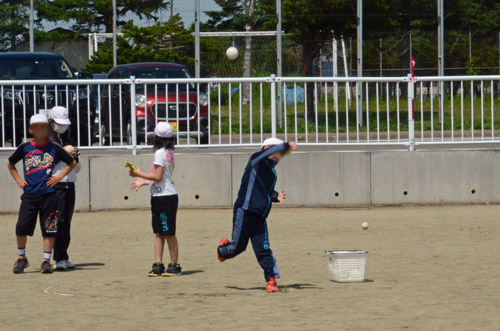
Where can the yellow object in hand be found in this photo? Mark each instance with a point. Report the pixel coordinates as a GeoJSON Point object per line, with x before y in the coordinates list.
{"type": "Point", "coordinates": [130, 165]}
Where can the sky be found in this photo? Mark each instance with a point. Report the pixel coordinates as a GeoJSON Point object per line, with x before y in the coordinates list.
{"type": "Point", "coordinates": [186, 9]}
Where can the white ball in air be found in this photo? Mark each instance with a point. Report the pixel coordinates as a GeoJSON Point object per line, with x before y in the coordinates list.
{"type": "Point", "coordinates": [232, 53]}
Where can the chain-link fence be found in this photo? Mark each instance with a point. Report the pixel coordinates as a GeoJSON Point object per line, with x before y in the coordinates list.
{"type": "Point", "coordinates": [391, 37]}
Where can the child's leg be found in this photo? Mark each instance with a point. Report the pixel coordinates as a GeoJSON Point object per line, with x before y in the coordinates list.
{"type": "Point", "coordinates": [159, 246]}
{"type": "Point", "coordinates": [21, 242]}
{"type": "Point", "coordinates": [240, 237]}
{"type": "Point", "coordinates": [65, 206]}
{"type": "Point", "coordinates": [48, 245]}
{"type": "Point", "coordinates": [26, 222]}
{"type": "Point", "coordinates": [173, 248]}
{"type": "Point", "coordinates": [261, 247]}
{"type": "Point", "coordinates": [48, 222]}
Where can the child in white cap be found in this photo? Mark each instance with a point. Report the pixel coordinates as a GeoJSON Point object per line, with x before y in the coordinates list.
{"type": "Point", "coordinates": [252, 207]}
{"type": "Point", "coordinates": [39, 197]}
{"type": "Point", "coordinates": [164, 200]}
{"type": "Point", "coordinates": [65, 189]}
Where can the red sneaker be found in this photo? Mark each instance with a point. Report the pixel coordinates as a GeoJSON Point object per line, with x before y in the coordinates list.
{"type": "Point", "coordinates": [222, 242]}
{"type": "Point", "coordinates": [272, 286]}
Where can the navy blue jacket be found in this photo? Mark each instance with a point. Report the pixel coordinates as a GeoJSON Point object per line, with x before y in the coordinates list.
{"type": "Point", "coordinates": [257, 192]}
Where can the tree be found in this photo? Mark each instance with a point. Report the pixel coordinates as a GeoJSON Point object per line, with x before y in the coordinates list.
{"type": "Point", "coordinates": [162, 42]}
{"type": "Point", "coordinates": [92, 15]}
{"type": "Point", "coordinates": [14, 21]}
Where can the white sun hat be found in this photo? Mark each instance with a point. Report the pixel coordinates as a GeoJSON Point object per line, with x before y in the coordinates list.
{"type": "Point", "coordinates": [272, 141]}
{"type": "Point", "coordinates": [60, 115]}
{"type": "Point", "coordinates": [38, 118]}
{"type": "Point", "coordinates": [164, 130]}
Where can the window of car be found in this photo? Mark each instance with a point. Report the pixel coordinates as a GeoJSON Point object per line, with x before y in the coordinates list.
{"type": "Point", "coordinates": [35, 69]}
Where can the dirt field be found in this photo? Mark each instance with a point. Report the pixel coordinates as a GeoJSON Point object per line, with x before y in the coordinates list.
{"type": "Point", "coordinates": [429, 268]}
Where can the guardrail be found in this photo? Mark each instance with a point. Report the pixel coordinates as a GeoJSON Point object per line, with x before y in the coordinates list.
{"type": "Point", "coordinates": [122, 113]}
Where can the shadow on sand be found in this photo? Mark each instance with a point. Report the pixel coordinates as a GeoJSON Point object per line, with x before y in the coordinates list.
{"type": "Point", "coordinates": [283, 288]}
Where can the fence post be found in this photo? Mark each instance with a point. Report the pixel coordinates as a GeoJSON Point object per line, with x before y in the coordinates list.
{"type": "Point", "coordinates": [133, 116]}
{"type": "Point", "coordinates": [273, 106]}
{"type": "Point", "coordinates": [411, 114]}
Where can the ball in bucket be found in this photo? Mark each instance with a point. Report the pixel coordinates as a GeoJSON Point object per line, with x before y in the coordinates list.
{"type": "Point", "coordinates": [232, 53]}
{"type": "Point", "coordinates": [365, 225]}
{"type": "Point", "coordinates": [70, 149]}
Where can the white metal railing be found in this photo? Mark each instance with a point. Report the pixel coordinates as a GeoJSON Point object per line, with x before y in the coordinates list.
{"type": "Point", "coordinates": [122, 113]}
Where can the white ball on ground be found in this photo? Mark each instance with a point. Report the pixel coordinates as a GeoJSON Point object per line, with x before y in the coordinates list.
{"type": "Point", "coordinates": [232, 53]}
{"type": "Point", "coordinates": [364, 225]}
{"type": "Point", "coordinates": [70, 149]}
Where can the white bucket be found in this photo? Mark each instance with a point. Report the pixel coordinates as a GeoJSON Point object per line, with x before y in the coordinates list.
{"type": "Point", "coordinates": [347, 266]}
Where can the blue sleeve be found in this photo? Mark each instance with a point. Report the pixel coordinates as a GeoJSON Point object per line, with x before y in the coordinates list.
{"type": "Point", "coordinates": [275, 149]}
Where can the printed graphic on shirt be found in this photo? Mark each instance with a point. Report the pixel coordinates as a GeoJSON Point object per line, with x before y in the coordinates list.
{"type": "Point", "coordinates": [38, 164]}
{"type": "Point", "coordinates": [165, 159]}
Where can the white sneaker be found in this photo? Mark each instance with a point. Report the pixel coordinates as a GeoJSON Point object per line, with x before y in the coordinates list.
{"type": "Point", "coordinates": [62, 265]}
{"type": "Point", "coordinates": [70, 265]}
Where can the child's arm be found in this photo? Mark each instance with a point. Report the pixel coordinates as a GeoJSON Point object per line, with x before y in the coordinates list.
{"type": "Point", "coordinates": [13, 171]}
{"type": "Point", "coordinates": [275, 149]}
{"type": "Point", "coordinates": [52, 181]}
{"type": "Point", "coordinates": [139, 182]}
{"type": "Point", "coordinates": [155, 177]}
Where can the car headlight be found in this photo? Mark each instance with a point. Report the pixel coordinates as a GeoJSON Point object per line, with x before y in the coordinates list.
{"type": "Point", "coordinates": [203, 101]}
{"type": "Point", "coordinates": [82, 94]}
{"type": "Point", "coordinates": [140, 100]}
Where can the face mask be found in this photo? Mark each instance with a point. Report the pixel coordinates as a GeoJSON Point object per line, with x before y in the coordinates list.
{"type": "Point", "coordinates": [60, 128]}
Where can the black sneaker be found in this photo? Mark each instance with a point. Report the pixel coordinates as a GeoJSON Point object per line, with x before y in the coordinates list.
{"type": "Point", "coordinates": [46, 267]}
{"type": "Point", "coordinates": [157, 271]}
{"type": "Point", "coordinates": [173, 269]}
{"type": "Point", "coordinates": [21, 264]}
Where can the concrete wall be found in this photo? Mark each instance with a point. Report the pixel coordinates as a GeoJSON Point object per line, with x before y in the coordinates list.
{"type": "Point", "coordinates": [310, 179]}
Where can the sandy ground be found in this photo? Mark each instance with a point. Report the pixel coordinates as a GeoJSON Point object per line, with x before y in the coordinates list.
{"type": "Point", "coordinates": [429, 268]}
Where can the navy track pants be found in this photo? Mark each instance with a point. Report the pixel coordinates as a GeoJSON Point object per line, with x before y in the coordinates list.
{"type": "Point", "coordinates": [251, 226]}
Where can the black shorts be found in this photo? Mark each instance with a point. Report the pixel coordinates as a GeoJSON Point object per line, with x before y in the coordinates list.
{"type": "Point", "coordinates": [33, 205]}
{"type": "Point", "coordinates": [164, 210]}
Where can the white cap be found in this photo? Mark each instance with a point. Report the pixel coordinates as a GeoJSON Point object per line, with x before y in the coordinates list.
{"type": "Point", "coordinates": [164, 130]}
{"type": "Point", "coordinates": [272, 142]}
{"type": "Point", "coordinates": [60, 115]}
{"type": "Point", "coordinates": [38, 118]}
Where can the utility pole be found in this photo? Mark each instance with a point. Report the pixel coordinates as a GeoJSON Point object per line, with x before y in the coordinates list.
{"type": "Point", "coordinates": [380, 56]}
{"type": "Point", "coordinates": [32, 32]}
{"type": "Point", "coordinates": [197, 37]}
{"type": "Point", "coordinates": [114, 34]}
{"type": "Point", "coordinates": [279, 59]}
{"type": "Point", "coordinates": [171, 8]}
{"type": "Point", "coordinates": [359, 92]}
{"type": "Point", "coordinates": [440, 38]}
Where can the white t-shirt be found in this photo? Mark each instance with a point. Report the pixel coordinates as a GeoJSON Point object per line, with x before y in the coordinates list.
{"type": "Point", "coordinates": [163, 158]}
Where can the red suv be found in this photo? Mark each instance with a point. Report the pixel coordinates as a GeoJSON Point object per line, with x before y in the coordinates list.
{"type": "Point", "coordinates": [179, 104]}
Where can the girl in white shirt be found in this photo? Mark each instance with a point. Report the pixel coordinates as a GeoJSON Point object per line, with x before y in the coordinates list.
{"type": "Point", "coordinates": [164, 200]}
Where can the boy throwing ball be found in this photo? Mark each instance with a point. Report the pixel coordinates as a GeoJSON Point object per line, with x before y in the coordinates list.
{"type": "Point", "coordinates": [39, 157]}
{"type": "Point", "coordinates": [252, 207]}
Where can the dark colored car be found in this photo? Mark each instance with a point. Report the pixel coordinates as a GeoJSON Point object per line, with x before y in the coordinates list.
{"type": "Point", "coordinates": [178, 104]}
{"type": "Point", "coordinates": [19, 102]}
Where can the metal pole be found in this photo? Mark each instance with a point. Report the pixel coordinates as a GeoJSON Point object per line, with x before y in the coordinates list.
{"type": "Point", "coordinates": [32, 32]}
{"type": "Point", "coordinates": [171, 8]}
{"type": "Point", "coordinates": [411, 50]}
{"type": "Point", "coordinates": [470, 48]}
{"type": "Point", "coordinates": [380, 56]}
{"type": "Point", "coordinates": [114, 33]}
{"type": "Point", "coordinates": [411, 114]}
{"type": "Point", "coordinates": [197, 37]}
{"type": "Point", "coordinates": [440, 38]}
{"type": "Point", "coordinates": [359, 92]}
{"type": "Point", "coordinates": [133, 115]}
{"type": "Point", "coordinates": [279, 58]}
{"type": "Point", "coordinates": [273, 105]}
